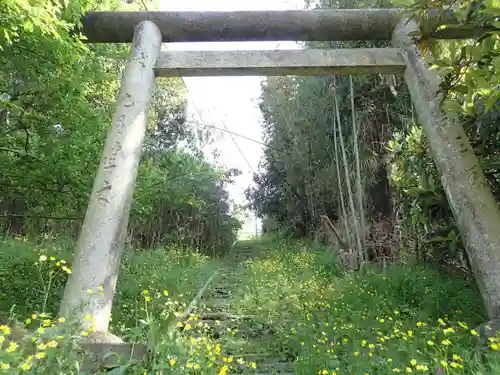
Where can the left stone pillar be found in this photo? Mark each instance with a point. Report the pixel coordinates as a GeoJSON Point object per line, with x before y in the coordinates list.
{"type": "Point", "coordinates": [99, 250]}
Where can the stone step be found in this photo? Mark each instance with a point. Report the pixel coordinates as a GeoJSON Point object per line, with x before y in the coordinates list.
{"type": "Point", "coordinates": [242, 343]}
{"type": "Point", "coordinates": [215, 302]}
{"type": "Point", "coordinates": [263, 361]}
{"type": "Point", "coordinates": [224, 291]}
{"type": "Point", "coordinates": [254, 356]}
{"type": "Point", "coordinates": [219, 295]}
{"type": "Point", "coordinates": [220, 319]}
{"type": "Point", "coordinates": [267, 366]}
{"type": "Point", "coordinates": [283, 366]}
{"type": "Point", "coordinates": [217, 323]}
{"type": "Point", "coordinates": [220, 315]}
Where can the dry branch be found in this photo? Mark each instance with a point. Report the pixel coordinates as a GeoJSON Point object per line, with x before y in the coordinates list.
{"type": "Point", "coordinates": [329, 228]}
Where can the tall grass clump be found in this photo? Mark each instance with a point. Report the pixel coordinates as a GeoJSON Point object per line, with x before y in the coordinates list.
{"type": "Point", "coordinates": [409, 320]}
{"type": "Point", "coordinates": [154, 288]}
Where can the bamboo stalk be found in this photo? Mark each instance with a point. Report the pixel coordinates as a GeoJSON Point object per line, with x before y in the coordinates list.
{"type": "Point", "coordinates": [346, 171]}
{"type": "Point", "coordinates": [358, 172]}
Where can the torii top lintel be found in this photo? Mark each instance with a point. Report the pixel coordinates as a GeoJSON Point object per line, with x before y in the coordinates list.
{"type": "Point", "coordinates": [298, 25]}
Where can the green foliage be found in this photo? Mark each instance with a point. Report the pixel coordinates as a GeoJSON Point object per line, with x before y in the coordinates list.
{"type": "Point", "coordinates": [469, 71]}
{"type": "Point", "coordinates": [300, 308]}
{"type": "Point", "coordinates": [19, 18]}
{"type": "Point", "coordinates": [181, 198]}
{"type": "Point", "coordinates": [428, 220]}
{"type": "Point", "coordinates": [27, 292]}
{"type": "Point", "coordinates": [56, 99]}
{"type": "Point", "coordinates": [299, 180]}
{"type": "Point", "coordinates": [46, 81]}
{"type": "Point", "coordinates": [172, 274]}
{"type": "Point", "coordinates": [471, 68]}
{"type": "Point", "coordinates": [41, 274]}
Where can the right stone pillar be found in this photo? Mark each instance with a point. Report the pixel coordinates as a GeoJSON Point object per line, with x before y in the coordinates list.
{"type": "Point", "coordinates": [475, 210]}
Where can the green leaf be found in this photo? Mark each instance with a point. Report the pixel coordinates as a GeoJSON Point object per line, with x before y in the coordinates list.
{"type": "Point", "coordinates": [461, 89]}
{"type": "Point", "coordinates": [122, 370]}
{"type": "Point", "coordinates": [415, 191]}
{"type": "Point", "coordinates": [452, 106]}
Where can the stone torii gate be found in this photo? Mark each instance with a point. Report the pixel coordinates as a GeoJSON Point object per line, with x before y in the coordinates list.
{"type": "Point", "coordinates": [97, 260]}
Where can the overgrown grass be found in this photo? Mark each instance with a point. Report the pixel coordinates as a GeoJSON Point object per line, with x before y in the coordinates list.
{"type": "Point", "coordinates": [298, 307]}
{"type": "Point", "coordinates": [153, 286]}
{"type": "Point", "coordinates": [24, 278]}
{"type": "Point", "coordinates": [410, 320]}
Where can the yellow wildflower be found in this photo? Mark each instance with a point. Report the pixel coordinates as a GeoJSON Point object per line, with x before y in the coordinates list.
{"type": "Point", "coordinates": [223, 370]}
{"type": "Point", "coordinates": [40, 355]}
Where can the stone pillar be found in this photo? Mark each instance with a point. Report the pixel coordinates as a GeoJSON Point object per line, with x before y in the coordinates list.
{"type": "Point", "coordinates": [474, 207]}
{"type": "Point", "coordinates": [97, 259]}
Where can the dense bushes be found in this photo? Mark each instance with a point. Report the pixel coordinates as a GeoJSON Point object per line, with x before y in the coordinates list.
{"type": "Point", "coordinates": [56, 100]}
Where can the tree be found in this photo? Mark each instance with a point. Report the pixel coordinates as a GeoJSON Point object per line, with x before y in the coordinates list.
{"type": "Point", "coordinates": [300, 118]}
{"type": "Point", "coordinates": [56, 97]}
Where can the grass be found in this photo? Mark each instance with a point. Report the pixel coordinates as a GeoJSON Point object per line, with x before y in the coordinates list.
{"type": "Point", "coordinates": [411, 320]}
{"type": "Point", "coordinates": [33, 279]}
{"type": "Point", "coordinates": [298, 305]}
{"type": "Point", "coordinates": [25, 279]}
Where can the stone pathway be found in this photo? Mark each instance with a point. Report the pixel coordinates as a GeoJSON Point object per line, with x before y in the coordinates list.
{"type": "Point", "coordinates": [240, 336]}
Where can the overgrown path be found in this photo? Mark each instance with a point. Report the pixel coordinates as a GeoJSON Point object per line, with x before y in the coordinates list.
{"type": "Point", "coordinates": [246, 338]}
{"type": "Point", "coordinates": [280, 307]}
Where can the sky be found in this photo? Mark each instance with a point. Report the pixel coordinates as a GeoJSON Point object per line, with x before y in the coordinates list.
{"type": "Point", "coordinates": [231, 101]}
